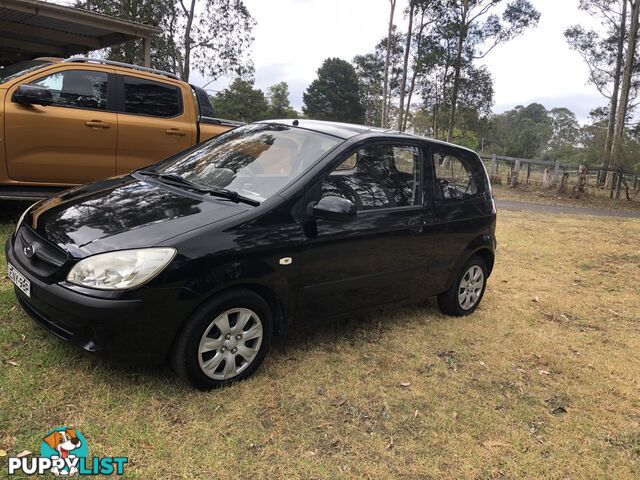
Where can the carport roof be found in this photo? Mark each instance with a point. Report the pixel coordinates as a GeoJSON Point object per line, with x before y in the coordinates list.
{"type": "Point", "coordinates": [31, 29]}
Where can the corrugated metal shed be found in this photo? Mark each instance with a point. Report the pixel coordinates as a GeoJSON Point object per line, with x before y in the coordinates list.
{"type": "Point", "coordinates": [32, 28]}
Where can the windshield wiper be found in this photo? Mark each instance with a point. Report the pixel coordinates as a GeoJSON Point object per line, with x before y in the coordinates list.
{"type": "Point", "coordinates": [170, 177]}
{"type": "Point", "coordinates": [177, 180]}
{"type": "Point", "coordinates": [231, 195]}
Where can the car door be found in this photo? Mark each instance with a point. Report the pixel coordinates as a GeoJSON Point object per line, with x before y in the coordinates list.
{"type": "Point", "coordinates": [382, 254]}
{"type": "Point", "coordinates": [154, 122]}
{"type": "Point", "coordinates": [69, 142]}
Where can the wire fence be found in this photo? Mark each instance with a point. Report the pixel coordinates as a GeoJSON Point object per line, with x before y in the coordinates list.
{"type": "Point", "coordinates": [573, 178]}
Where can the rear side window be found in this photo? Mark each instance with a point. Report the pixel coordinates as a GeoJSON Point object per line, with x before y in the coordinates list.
{"type": "Point", "coordinates": [458, 176]}
{"type": "Point", "coordinates": [146, 97]}
{"type": "Point", "coordinates": [77, 88]}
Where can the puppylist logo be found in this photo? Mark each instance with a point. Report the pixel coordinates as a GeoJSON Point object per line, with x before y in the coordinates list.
{"type": "Point", "coordinates": [64, 452]}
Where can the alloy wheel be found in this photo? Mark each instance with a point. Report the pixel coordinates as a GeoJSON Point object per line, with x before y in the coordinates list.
{"type": "Point", "coordinates": [470, 288]}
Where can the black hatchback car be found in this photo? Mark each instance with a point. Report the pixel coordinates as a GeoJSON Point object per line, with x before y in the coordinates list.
{"type": "Point", "coordinates": [202, 258]}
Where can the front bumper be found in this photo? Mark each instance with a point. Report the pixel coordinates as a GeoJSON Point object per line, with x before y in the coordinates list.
{"type": "Point", "coordinates": [138, 330]}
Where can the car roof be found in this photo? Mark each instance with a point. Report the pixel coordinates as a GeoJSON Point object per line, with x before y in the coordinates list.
{"type": "Point", "coordinates": [347, 131]}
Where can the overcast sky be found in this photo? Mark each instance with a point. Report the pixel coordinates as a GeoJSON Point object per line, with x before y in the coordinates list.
{"type": "Point", "coordinates": [293, 37]}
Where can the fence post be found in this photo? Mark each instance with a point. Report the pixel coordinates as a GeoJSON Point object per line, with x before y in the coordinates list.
{"type": "Point", "coordinates": [494, 164]}
{"type": "Point", "coordinates": [581, 181]}
{"type": "Point", "coordinates": [528, 172]}
{"type": "Point", "coordinates": [515, 172]}
{"type": "Point", "coordinates": [546, 178]}
{"type": "Point", "coordinates": [635, 183]}
{"type": "Point", "coordinates": [564, 182]}
{"type": "Point", "coordinates": [556, 171]}
{"type": "Point", "coordinates": [619, 186]}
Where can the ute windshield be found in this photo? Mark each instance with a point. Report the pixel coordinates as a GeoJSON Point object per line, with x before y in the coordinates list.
{"type": "Point", "coordinates": [255, 161]}
{"type": "Point", "coordinates": [16, 70]}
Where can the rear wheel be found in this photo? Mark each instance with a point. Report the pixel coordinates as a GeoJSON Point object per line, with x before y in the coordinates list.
{"type": "Point", "coordinates": [464, 296]}
{"type": "Point", "coordinates": [225, 341]}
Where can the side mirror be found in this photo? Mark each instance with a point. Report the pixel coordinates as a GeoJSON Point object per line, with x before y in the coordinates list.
{"type": "Point", "coordinates": [32, 95]}
{"type": "Point", "coordinates": [336, 209]}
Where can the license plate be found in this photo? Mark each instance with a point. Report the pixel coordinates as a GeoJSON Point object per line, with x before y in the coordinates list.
{"type": "Point", "coordinates": [19, 280]}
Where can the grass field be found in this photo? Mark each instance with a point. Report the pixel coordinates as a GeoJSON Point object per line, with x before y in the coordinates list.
{"type": "Point", "coordinates": [542, 382]}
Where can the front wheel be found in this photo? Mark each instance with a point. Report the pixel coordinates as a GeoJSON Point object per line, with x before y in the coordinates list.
{"type": "Point", "coordinates": [464, 296]}
{"type": "Point", "coordinates": [225, 341]}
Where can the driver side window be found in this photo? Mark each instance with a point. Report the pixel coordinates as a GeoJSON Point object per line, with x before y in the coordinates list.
{"type": "Point", "coordinates": [454, 176]}
{"type": "Point", "coordinates": [77, 88]}
{"type": "Point", "coordinates": [377, 176]}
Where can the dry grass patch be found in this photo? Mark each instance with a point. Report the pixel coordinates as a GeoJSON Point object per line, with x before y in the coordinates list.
{"type": "Point", "coordinates": [593, 198]}
{"type": "Point", "coordinates": [542, 382]}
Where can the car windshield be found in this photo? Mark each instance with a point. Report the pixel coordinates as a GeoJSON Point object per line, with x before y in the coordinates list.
{"type": "Point", "coordinates": [15, 70]}
{"type": "Point", "coordinates": [255, 161]}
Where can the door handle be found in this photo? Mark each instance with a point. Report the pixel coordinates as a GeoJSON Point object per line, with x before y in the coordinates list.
{"type": "Point", "coordinates": [175, 131]}
{"type": "Point", "coordinates": [97, 124]}
{"type": "Point", "coordinates": [417, 224]}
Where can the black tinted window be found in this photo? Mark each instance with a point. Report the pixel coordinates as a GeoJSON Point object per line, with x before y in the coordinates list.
{"type": "Point", "coordinates": [457, 174]}
{"type": "Point", "coordinates": [77, 88]}
{"type": "Point", "coordinates": [145, 97]}
{"type": "Point", "coordinates": [378, 176]}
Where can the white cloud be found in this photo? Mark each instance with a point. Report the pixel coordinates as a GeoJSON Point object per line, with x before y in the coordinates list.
{"type": "Point", "coordinates": [293, 37]}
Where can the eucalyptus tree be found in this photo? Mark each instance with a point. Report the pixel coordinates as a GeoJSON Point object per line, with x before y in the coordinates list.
{"type": "Point", "coordinates": [370, 70]}
{"type": "Point", "coordinates": [480, 27]}
{"type": "Point", "coordinates": [630, 66]}
{"type": "Point", "coordinates": [603, 53]}
{"type": "Point", "coordinates": [212, 37]}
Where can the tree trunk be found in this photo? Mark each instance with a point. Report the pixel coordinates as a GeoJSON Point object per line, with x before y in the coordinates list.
{"type": "Point", "coordinates": [415, 73]}
{"type": "Point", "coordinates": [435, 121]}
{"type": "Point", "coordinates": [623, 103]}
{"type": "Point", "coordinates": [385, 92]}
{"type": "Point", "coordinates": [462, 36]}
{"type": "Point", "coordinates": [405, 67]}
{"type": "Point", "coordinates": [409, 95]}
{"type": "Point", "coordinates": [186, 68]}
{"type": "Point", "coordinates": [616, 89]}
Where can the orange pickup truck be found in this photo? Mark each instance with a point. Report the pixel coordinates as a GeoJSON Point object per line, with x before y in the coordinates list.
{"type": "Point", "coordinates": [68, 122]}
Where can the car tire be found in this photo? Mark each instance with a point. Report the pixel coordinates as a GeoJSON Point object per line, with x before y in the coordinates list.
{"type": "Point", "coordinates": [464, 296]}
{"type": "Point", "coordinates": [224, 341]}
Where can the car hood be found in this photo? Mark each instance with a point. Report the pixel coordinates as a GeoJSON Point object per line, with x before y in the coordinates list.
{"type": "Point", "coordinates": [123, 213]}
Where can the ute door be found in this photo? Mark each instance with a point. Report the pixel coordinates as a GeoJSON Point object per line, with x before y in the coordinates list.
{"type": "Point", "coordinates": [154, 121]}
{"type": "Point", "coordinates": [73, 140]}
{"type": "Point", "coordinates": [383, 253]}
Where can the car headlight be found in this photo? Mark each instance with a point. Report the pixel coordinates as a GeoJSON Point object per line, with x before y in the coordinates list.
{"type": "Point", "coordinates": [120, 270]}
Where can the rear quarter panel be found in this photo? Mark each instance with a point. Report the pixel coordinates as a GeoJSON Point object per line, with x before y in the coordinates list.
{"type": "Point", "coordinates": [209, 130]}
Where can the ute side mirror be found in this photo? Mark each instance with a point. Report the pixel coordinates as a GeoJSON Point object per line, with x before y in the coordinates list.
{"type": "Point", "coordinates": [32, 95]}
{"type": "Point", "coordinates": [336, 209]}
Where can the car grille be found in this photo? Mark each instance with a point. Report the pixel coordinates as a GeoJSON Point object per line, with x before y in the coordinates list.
{"type": "Point", "coordinates": [47, 260]}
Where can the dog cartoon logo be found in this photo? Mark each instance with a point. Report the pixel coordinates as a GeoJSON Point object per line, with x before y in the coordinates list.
{"type": "Point", "coordinates": [67, 444]}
